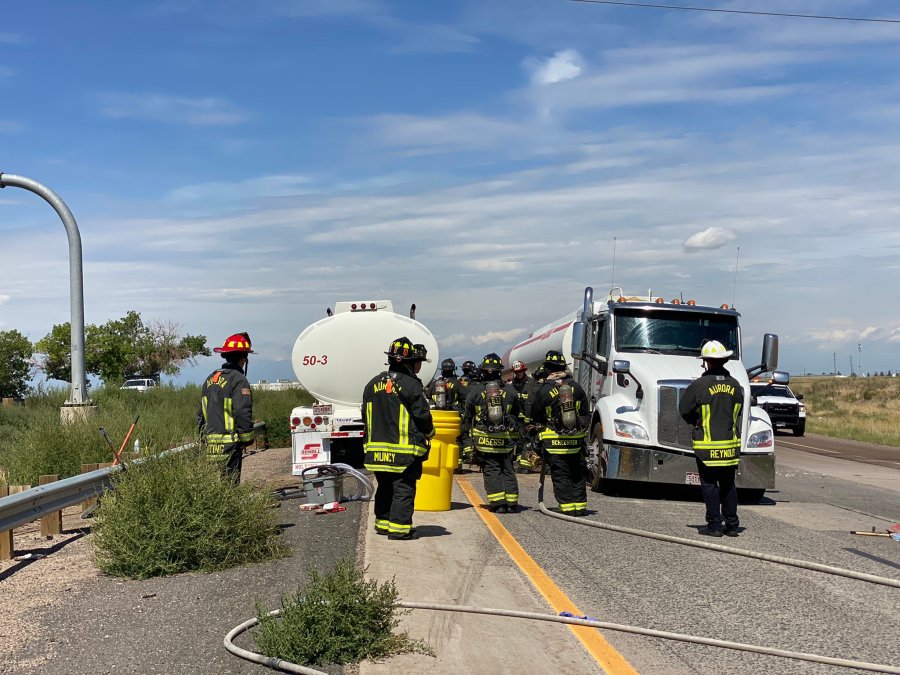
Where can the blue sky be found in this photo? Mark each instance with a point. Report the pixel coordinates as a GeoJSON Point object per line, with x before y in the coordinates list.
{"type": "Point", "coordinates": [237, 167]}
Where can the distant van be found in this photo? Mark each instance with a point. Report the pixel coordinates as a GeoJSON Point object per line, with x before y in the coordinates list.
{"type": "Point", "coordinates": [139, 384]}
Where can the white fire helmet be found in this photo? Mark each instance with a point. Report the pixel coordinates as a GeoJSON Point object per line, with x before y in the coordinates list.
{"type": "Point", "coordinates": [715, 350]}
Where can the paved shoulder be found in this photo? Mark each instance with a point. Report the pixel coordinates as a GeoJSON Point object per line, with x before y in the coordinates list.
{"type": "Point", "coordinates": [458, 561]}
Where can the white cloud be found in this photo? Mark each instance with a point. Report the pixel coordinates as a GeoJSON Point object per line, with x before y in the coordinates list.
{"type": "Point", "coordinates": [4, 299]}
{"type": "Point", "coordinates": [497, 336]}
{"type": "Point", "coordinates": [710, 238]}
{"type": "Point", "coordinates": [205, 111]}
{"type": "Point", "coordinates": [839, 336]}
{"type": "Point", "coordinates": [563, 65]}
{"type": "Point", "coordinates": [492, 265]}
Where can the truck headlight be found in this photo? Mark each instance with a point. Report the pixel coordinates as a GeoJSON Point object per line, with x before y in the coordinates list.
{"type": "Point", "coordinates": [761, 439]}
{"type": "Point", "coordinates": [631, 430]}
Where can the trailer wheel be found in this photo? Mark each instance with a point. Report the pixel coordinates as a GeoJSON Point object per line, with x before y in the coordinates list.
{"type": "Point", "coordinates": [597, 458]}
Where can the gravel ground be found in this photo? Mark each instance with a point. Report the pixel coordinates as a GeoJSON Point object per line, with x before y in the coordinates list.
{"type": "Point", "coordinates": [62, 616]}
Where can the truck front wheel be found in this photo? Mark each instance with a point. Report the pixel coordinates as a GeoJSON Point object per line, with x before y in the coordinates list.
{"type": "Point", "coordinates": [596, 458]}
{"type": "Point", "coordinates": [800, 429]}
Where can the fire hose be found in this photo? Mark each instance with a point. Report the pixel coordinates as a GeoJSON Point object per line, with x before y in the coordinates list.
{"type": "Point", "coordinates": [592, 623]}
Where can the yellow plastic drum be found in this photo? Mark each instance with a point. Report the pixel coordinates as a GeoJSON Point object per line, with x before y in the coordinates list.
{"type": "Point", "coordinates": [434, 487]}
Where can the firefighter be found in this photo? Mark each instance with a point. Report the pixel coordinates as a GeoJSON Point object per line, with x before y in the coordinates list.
{"type": "Point", "coordinates": [527, 389]}
{"type": "Point", "coordinates": [422, 351]}
{"type": "Point", "coordinates": [712, 404]}
{"type": "Point", "coordinates": [397, 437]}
{"type": "Point", "coordinates": [562, 411]}
{"type": "Point", "coordinates": [451, 387]}
{"type": "Point", "coordinates": [491, 412]}
{"type": "Point", "coordinates": [464, 385]}
{"type": "Point", "coordinates": [225, 415]}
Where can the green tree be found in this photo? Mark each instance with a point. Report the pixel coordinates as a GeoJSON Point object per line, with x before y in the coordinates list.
{"type": "Point", "coordinates": [55, 353]}
{"type": "Point", "coordinates": [15, 364]}
{"type": "Point", "coordinates": [123, 348]}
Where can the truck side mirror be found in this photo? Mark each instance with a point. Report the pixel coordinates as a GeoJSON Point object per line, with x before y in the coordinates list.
{"type": "Point", "coordinates": [799, 397]}
{"type": "Point", "coordinates": [770, 352]}
{"type": "Point", "coordinates": [623, 367]}
{"type": "Point", "coordinates": [579, 335]}
{"type": "Point", "coordinates": [781, 377]}
{"type": "Point", "coordinates": [753, 401]}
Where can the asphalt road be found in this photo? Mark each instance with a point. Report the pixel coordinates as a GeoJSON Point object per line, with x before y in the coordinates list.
{"type": "Point", "coordinates": [631, 580]}
{"type": "Point", "coordinates": [854, 451]}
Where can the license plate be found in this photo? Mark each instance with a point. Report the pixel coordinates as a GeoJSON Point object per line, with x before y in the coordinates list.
{"type": "Point", "coordinates": [326, 409]}
{"type": "Point", "coordinates": [691, 478]}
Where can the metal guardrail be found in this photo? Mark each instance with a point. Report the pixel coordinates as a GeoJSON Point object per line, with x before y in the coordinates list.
{"type": "Point", "coordinates": [30, 505]}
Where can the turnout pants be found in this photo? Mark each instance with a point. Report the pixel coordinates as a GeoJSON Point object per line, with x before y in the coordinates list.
{"type": "Point", "coordinates": [720, 495]}
{"type": "Point", "coordinates": [229, 458]}
{"type": "Point", "coordinates": [567, 474]}
{"type": "Point", "coordinates": [395, 499]}
{"type": "Point", "coordinates": [500, 482]}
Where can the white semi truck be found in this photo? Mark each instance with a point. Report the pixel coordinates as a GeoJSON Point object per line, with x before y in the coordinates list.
{"type": "Point", "coordinates": [334, 359]}
{"type": "Point", "coordinates": [635, 356]}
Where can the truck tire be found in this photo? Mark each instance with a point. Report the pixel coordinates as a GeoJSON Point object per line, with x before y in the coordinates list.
{"type": "Point", "coordinates": [800, 429]}
{"type": "Point", "coordinates": [596, 460]}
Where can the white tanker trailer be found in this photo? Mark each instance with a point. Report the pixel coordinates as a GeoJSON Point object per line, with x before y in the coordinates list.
{"type": "Point", "coordinates": [334, 359]}
{"type": "Point", "coordinates": [635, 356]}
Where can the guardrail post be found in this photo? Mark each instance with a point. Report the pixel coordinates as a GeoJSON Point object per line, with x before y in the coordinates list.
{"type": "Point", "coordinates": [6, 538]}
{"type": "Point", "coordinates": [50, 524]}
{"type": "Point", "coordinates": [88, 503]}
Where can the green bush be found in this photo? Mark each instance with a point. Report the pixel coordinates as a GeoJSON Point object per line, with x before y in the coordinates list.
{"type": "Point", "coordinates": [274, 408]}
{"type": "Point", "coordinates": [337, 618]}
{"type": "Point", "coordinates": [176, 514]}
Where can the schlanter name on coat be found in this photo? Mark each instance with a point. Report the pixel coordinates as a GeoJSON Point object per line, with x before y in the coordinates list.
{"type": "Point", "coordinates": [721, 389]}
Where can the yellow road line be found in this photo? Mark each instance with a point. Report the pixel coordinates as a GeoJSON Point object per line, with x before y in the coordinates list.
{"type": "Point", "coordinates": [604, 653]}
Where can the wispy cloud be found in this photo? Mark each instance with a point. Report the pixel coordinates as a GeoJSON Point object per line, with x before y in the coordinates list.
{"type": "Point", "coordinates": [168, 109]}
{"type": "Point", "coordinates": [10, 127]}
{"type": "Point", "coordinates": [4, 298]}
{"type": "Point", "coordinates": [11, 39]}
{"type": "Point", "coordinates": [242, 190]}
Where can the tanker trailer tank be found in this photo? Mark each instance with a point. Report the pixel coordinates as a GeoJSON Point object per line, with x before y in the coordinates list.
{"type": "Point", "coordinates": [333, 359]}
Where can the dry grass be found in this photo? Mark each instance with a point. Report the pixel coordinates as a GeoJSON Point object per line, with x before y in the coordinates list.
{"type": "Point", "coordinates": [856, 408]}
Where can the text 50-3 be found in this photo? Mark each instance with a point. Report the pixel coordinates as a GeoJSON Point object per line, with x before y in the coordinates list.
{"type": "Point", "coordinates": [314, 360]}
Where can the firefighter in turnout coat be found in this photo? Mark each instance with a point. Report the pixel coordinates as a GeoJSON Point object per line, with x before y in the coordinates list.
{"type": "Point", "coordinates": [397, 438]}
{"type": "Point", "coordinates": [451, 386]}
{"type": "Point", "coordinates": [225, 416]}
{"type": "Point", "coordinates": [562, 410]}
{"type": "Point", "coordinates": [491, 411]}
{"type": "Point", "coordinates": [713, 404]}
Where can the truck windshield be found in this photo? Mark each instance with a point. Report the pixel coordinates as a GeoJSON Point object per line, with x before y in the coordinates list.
{"type": "Point", "coordinates": [673, 332]}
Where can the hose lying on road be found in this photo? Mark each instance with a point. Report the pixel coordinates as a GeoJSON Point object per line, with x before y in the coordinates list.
{"type": "Point", "coordinates": [287, 666]}
{"type": "Point", "coordinates": [666, 635]}
{"type": "Point", "coordinates": [804, 564]}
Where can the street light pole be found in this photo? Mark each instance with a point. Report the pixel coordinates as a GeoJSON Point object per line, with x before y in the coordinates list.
{"type": "Point", "coordinates": [77, 396]}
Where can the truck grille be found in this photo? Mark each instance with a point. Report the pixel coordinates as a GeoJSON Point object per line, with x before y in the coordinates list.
{"type": "Point", "coordinates": [779, 412]}
{"type": "Point", "coordinates": [670, 428]}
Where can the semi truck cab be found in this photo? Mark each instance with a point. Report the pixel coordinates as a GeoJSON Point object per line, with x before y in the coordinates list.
{"type": "Point", "coordinates": [635, 356]}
